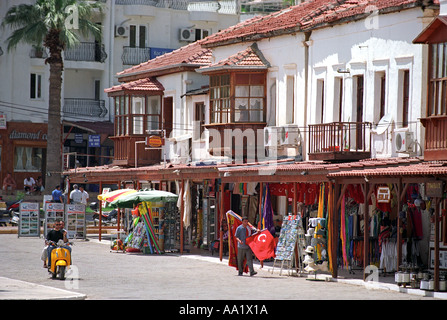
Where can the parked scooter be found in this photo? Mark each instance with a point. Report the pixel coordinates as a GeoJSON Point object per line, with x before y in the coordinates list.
{"type": "Point", "coordinates": [106, 218]}
{"type": "Point", "coordinates": [60, 259]}
{"type": "Point", "coordinates": [11, 212]}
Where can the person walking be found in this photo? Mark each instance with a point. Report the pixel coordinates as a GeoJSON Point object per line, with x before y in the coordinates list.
{"type": "Point", "coordinates": [243, 250]}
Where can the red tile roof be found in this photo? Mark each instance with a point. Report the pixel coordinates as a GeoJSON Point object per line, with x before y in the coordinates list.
{"type": "Point", "coordinates": [250, 58]}
{"type": "Point", "coordinates": [190, 55]}
{"type": "Point", "coordinates": [308, 15]}
{"type": "Point", "coordinates": [146, 84]}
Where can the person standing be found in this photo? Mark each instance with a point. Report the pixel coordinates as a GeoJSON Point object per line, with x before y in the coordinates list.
{"type": "Point", "coordinates": [57, 194]}
{"type": "Point", "coordinates": [85, 196]}
{"type": "Point", "coordinates": [75, 195]}
{"type": "Point", "coordinates": [243, 250]}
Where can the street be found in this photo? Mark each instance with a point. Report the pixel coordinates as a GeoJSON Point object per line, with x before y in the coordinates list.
{"type": "Point", "coordinates": [106, 275]}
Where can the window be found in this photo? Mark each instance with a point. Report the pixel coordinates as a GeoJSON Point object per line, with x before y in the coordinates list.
{"type": "Point", "coordinates": [143, 115]}
{"type": "Point", "coordinates": [35, 86]}
{"type": "Point", "coordinates": [27, 159]}
{"type": "Point", "coordinates": [137, 36]}
{"type": "Point", "coordinates": [320, 100]}
{"type": "Point", "coordinates": [405, 97]}
{"type": "Point", "coordinates": [220, 98]}
{"type": "Point", "coordinates": [199, 120]}
{"type": "Point", "coordinates": [248, 103]}
{"type": "Point", "coordinates": [153, 113]}
{"type": "Point", "coordinates": [379, 95]}
{"type": "Point", "coordinates": [271, 119]}
{"type": "Point", "coordinates": [249, 98]}
{"type": "Point", "coordinates": [338, 99]}
{"type": "Point", "coordinates": [137, 115]}
{"type": "Point", "coordinates": [438, 80]}
{"type": "Point", "coordinates": [121, 115]}
{"type": "Point", "coordinates": [290, 83]}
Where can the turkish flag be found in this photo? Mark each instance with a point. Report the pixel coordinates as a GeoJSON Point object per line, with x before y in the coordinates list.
{"type": "Point", "coordinates": [262, 244]}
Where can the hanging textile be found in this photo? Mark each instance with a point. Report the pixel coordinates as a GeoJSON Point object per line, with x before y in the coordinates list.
{"type": "Point", "coordinates": [187, 205]}
{"type": "Point", "coordinates": [329, 224]}
{"type": "Point", "coordinates": [344, 232]}
{"type": "Point", "coordinates": [267, 213]}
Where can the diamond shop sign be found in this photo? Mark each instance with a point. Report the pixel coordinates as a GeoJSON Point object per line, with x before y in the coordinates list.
{"type": "Point", "coordinates": [17, 135]}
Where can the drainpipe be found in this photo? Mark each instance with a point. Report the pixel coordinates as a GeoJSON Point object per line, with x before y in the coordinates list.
{"type": "Point", "coordinates": [306, 44]}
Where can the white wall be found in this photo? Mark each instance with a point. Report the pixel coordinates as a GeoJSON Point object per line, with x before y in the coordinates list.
{"type": "Point", "coordinates": [366, 49]}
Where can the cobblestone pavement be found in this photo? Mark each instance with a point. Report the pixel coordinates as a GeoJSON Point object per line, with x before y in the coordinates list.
{"type": "Point", "coordinates": [104, 275]}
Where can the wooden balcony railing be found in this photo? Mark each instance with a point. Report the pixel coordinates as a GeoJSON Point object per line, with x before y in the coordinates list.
{"type": "Point", "coordinates": [435, 137]}
{"type": "Point", "coordinates": [342, 141]}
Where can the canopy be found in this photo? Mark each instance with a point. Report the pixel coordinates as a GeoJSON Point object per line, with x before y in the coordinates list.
{"type": "Point", "coordinates": [132, 199]}
{"type": "Point", "coordinates": [113, 195]}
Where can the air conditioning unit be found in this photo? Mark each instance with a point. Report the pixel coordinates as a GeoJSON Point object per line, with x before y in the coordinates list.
{"type": "Point", "coordinates": [290, 135]}
{"type": "Point", "coordinates": [271, 136]}
{"type": "Point", "coordinates": [187, 34]}
{"type": "Point", "coordinates": [121, 31]}
{"type": "Point", "coordinates": [403, 141]}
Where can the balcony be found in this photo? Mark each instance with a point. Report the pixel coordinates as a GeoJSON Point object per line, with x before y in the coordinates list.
{"type": "Point", "coordinates": [86, 51]}
{"type": "Point", "coordinates": [340, 141]}
{"type": "Point", "coordinates": [435, 137]}
{"type": "Point", "coordinates": [126, 147]}
{"type": "Point", "coordinates": [135, 55]}
{"type": "Point", "coordinates": [78, 107]}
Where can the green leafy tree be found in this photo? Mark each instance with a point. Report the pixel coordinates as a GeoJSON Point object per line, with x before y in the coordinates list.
{"type": "Point", "coordinates": [56, 25]}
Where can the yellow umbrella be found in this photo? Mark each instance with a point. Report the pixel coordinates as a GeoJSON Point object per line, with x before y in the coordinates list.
{"type": "Point", "coordinates": [113, 195]}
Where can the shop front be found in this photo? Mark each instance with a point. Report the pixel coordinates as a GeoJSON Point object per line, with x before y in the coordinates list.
{"type": "Point", "coordinates": [392, 221]}
{"type": "Point", "coordinates": [23, 148]}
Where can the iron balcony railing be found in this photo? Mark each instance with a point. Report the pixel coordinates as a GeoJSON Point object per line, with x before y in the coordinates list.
{"type": "Point", "coordinates": [135, 55]}
{"type": "Point", "coordinates": [86, 51]}
{"type": "Point", "coordinates": [80, 107]}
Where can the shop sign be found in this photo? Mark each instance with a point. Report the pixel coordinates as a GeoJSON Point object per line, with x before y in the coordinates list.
{"type": "Point", "coordinates": [78, 138]}
{"type": "Point", "coordinates": [17, 135]}
{"type": "Point", "coordinates": [383, 195]}
{"type": "Point", "coordinates": [434, 189]}
{"type": "Point", "coordinates": [2, 121]}
{"type": "Point", "coordinates": [154, 141]}
{"type": "Point", "coordinates": [94, 140]}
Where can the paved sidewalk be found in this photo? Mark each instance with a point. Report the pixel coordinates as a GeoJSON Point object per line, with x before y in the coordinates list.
{"type": "Point", "coordinates": [11, 289]}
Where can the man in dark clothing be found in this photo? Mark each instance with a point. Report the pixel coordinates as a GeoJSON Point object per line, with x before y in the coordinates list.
{"type": "Point", "coordinates": [243, 250]}
{"type": "Point", "coordinates": [54, 235]}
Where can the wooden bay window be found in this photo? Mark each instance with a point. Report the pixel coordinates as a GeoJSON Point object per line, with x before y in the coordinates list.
{"type": "Point", "coordinates": [237, 97]}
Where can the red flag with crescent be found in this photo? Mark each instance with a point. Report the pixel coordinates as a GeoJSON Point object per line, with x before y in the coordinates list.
{"type": "Point", "coordinates": [262, 244]}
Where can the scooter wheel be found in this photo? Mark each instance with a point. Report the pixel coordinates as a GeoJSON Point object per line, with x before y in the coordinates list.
{"type": "Point", "coordinates": [62, 272]}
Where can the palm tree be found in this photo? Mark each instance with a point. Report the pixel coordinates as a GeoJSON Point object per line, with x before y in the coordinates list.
{"type": "Point", "coordinates": [56, 25]}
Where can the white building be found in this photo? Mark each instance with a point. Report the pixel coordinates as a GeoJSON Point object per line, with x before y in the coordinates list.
{"type": "Point", "coordinates": [336, 72]}
{"type": "Point", "coordinates": [134, 31]}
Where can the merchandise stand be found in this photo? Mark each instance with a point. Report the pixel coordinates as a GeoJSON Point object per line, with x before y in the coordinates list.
{"type": "Point", "coordinates": [289, 245]}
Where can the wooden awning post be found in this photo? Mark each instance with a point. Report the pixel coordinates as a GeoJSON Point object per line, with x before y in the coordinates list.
{"type": "Point", "coordinates": [335, 228]}
{"type": "Point", "coordinates": [100, 213]}
{"type": "Point", "coordinates": [436, 243]}
{"type": "Point", "coordinates": [260, 205]}
{"type": "Point", "coordinates": [295, 211]}
{"type": "Point", "coordinates": [366, 229]}
{"type": "Point", "coordinates": [222, 188]}
{"type": "Point", "coordinates": [182, 205]}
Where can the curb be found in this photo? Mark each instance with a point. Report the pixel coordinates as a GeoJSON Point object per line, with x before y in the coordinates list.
{"type": "Point", "coordinates": [20, 290]}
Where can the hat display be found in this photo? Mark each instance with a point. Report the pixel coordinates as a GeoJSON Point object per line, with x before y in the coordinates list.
{"type": "Point", "coordinates": [309, 249]}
